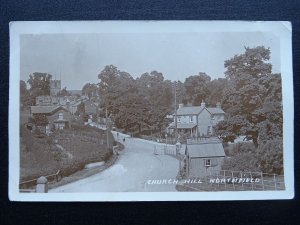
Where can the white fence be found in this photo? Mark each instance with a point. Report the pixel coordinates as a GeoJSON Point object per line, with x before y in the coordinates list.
{"type": "Point", "coordinates": [164, 150]}
{"type": "Point", "coordinates": [225, 180]}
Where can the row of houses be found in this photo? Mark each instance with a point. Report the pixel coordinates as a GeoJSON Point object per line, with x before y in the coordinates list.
{"type": "Point", "coordinates": [60, 110]}
{"type": "Point", "coordinates": [69, 102]}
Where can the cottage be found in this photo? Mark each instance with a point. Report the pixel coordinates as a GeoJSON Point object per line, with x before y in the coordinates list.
{"type": "Point", "coordinates": [58, 117]}
{"type": "Point", "coordinates": [205, 158]}
{"type": "Point", "coordinates": [197, 120]}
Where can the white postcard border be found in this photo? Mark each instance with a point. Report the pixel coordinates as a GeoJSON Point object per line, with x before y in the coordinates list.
{"type": "Point", "coordinates": [281, 29]}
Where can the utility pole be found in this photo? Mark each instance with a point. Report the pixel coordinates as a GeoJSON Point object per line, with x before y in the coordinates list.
{"type": "Point", "coordinates": [175, 92]}
{"type": "Point", "coordinates": [107, 129]}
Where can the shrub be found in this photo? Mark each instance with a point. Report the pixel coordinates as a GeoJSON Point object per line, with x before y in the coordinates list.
{"type": "Point", "coordinates": [270, 156]}
{"type": "Point", "coordinates": [267, 158]}
{"type": "Point", "coordinates": [241, 162]}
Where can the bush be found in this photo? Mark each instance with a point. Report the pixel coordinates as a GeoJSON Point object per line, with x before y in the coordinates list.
{"type": "Point", "coordinates": [267, 158]}
{"type": "Point", "coordinates": [239, 148]}
{"type": "Point", "coordinates": [270, 156]}
{"type": "Point", "coordinates": [241, 162]}
{"type": "Point", "coordinates": [40, 156]}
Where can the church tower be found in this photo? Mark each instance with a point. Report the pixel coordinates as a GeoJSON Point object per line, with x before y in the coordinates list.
{"type": "Point", "coordinates": [55, 87]}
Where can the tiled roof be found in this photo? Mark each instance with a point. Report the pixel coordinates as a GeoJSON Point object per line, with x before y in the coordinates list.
{"type": "Point", "coordinates": [215, 110]}
{"type": "Point", "coordinates": [195, 110]}
{"type": "Point", "coordinates": [206, 150]}
{"type": "Point", "coordinates": [190, 110]}
{"type": "Point", "coordinates": [44, 109]}
{"type": "Point", "coordinates": [182, 126]}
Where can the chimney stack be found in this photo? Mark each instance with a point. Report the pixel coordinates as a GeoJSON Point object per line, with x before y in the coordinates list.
{"type": "Point", "coordinates": [180, 105]}
{"type": "Point", "coordinates": [218, 105]}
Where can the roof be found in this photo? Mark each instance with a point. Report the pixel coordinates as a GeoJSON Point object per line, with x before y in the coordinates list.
{"type": "Point", "coordinates": [182, 126]}
{"type": "Point", "coordinates": [195, 110]}
{"type": "Point", "coordinates": [215, 110]}
{"type": "Point", "coordinates": [75, 103]}
{"type": "Point", "coordinates": [206, 150]}
{"type": "Point", "coordinates": [190, 110]}
{"type": "Point", "coordinates": [75, 92]}
{"type": "Point", "coordinates": [45, 109]}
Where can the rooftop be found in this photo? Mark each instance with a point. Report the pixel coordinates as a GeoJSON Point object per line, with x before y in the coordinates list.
{"type": "Point", "coordinates": [182, 125]}
{"type": "Point", "coordinates": [45, 109]}
{"type": "Point", "coordinates": [204, 150]}
{"type": "Point", "coordinates": [215, 110]}
{"type": "Point", "coordinates": [195, 110]}
{"type": "Point", "coordinates": [190, 110]}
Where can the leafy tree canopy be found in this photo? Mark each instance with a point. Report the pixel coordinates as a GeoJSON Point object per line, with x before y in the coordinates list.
{"type": "Point", "coordinates": [252, 97]}
{"type": "Point", "coordinates": [39, 85]}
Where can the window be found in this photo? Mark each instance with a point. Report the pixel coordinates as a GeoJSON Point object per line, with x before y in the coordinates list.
{"type": "Point", "coordinates": [61, 126]}
{"type": "Point", "coordinates": [178, 118]}
{"type": "Point", "coordinates": [60, 116]}
{"type": "Point", "coordinates": [191, 118]}
{"type": "Point", "coordinates": [207, 162]}
{"type": "Point", "coordinates": [208, 130]}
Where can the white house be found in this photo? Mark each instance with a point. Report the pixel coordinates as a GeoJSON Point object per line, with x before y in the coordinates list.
{"type": "Point", "coordinates": [197, 120]}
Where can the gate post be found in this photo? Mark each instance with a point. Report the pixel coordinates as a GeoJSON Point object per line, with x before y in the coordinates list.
{"type": "Point", "coordinates": [41, 185]}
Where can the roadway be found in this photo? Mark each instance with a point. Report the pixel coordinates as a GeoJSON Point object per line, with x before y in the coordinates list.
{"type": "Point", "coordinates": [136, 165]}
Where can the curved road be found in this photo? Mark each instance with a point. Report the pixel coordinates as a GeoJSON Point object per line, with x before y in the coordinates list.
{"type": "Point", "coordinates": [136, 167]}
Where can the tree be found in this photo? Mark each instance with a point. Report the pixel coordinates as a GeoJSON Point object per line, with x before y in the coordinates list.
{"type": "Point", "coordinates": [157, 94]}
{"type": "Point", "coordinates": [39, 85]}
{"type": "Point", "coordinates": [80, 109]}
{"type": "Point", "coordinates": [250, 92]}
{"type": "Point", "coordinates": [196, 88]}
{"type": "Point", "coordinates": [24, 94]}
{"type": "Point", "coordinates": [270, 156]}
{"type": "Point", "coordinates": [90, 90]}
{"type": "Point", "coordinates": [136, 105]}
{"type": "Point", "coordinates": [40, 120]}
{"type": "Point", "coordinates": [216, 88]}
{"type": "Point", "coordinates": [63, 92]}
{"type": "Point", "coordinates": [114, 85]}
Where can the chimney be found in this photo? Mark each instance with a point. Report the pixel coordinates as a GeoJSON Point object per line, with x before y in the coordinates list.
{"type": "Point", "coordinates": [180, 105]}
{"type": "Point", "coordinates": [202, 104]}
{"type": "Point", "coordinates": [218, 105]}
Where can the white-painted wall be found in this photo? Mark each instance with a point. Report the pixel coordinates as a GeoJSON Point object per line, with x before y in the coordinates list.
{"type": "Point", "coordinates": [205, 124]}
{"type": "Point", "coordinates": [187, 119]}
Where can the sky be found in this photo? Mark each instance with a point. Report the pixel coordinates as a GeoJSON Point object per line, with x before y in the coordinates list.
{"type": "Point", "coordinates": [77, 59]}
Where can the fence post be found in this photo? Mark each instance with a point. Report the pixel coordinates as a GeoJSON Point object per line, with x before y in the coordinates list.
{"type": "Point", "coordinates": [250, 180]}
{"type": "Point", "coordinates": [262, 181]}
{"type": "Point", "coordinates": [232, 180]}
{"type": "Point", "coordinates": [274, 177]}
{"type": "Point", "coordinates": [242, 181]}
{"type": "Point", "coordinates": [42, 185]}
{"type": "Point", "coordinates": [224, 176]}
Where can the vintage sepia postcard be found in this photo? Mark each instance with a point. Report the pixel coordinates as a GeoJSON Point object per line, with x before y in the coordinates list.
{"type": "Point", "coordinates": [150, 111]}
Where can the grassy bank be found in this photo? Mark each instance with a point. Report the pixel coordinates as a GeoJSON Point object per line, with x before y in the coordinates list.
{"type": "Point", "coordinates": [67, 150]}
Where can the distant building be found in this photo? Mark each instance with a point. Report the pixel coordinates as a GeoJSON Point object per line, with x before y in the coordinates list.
{"type": "Point", "coordinates": [58, 117]}
{"type": "Point", "coordinates": [55, 87]}
{"type": "Point", "coordinates": [43, 100]}
{"type": "Point", "coordinates": [197, 120]}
